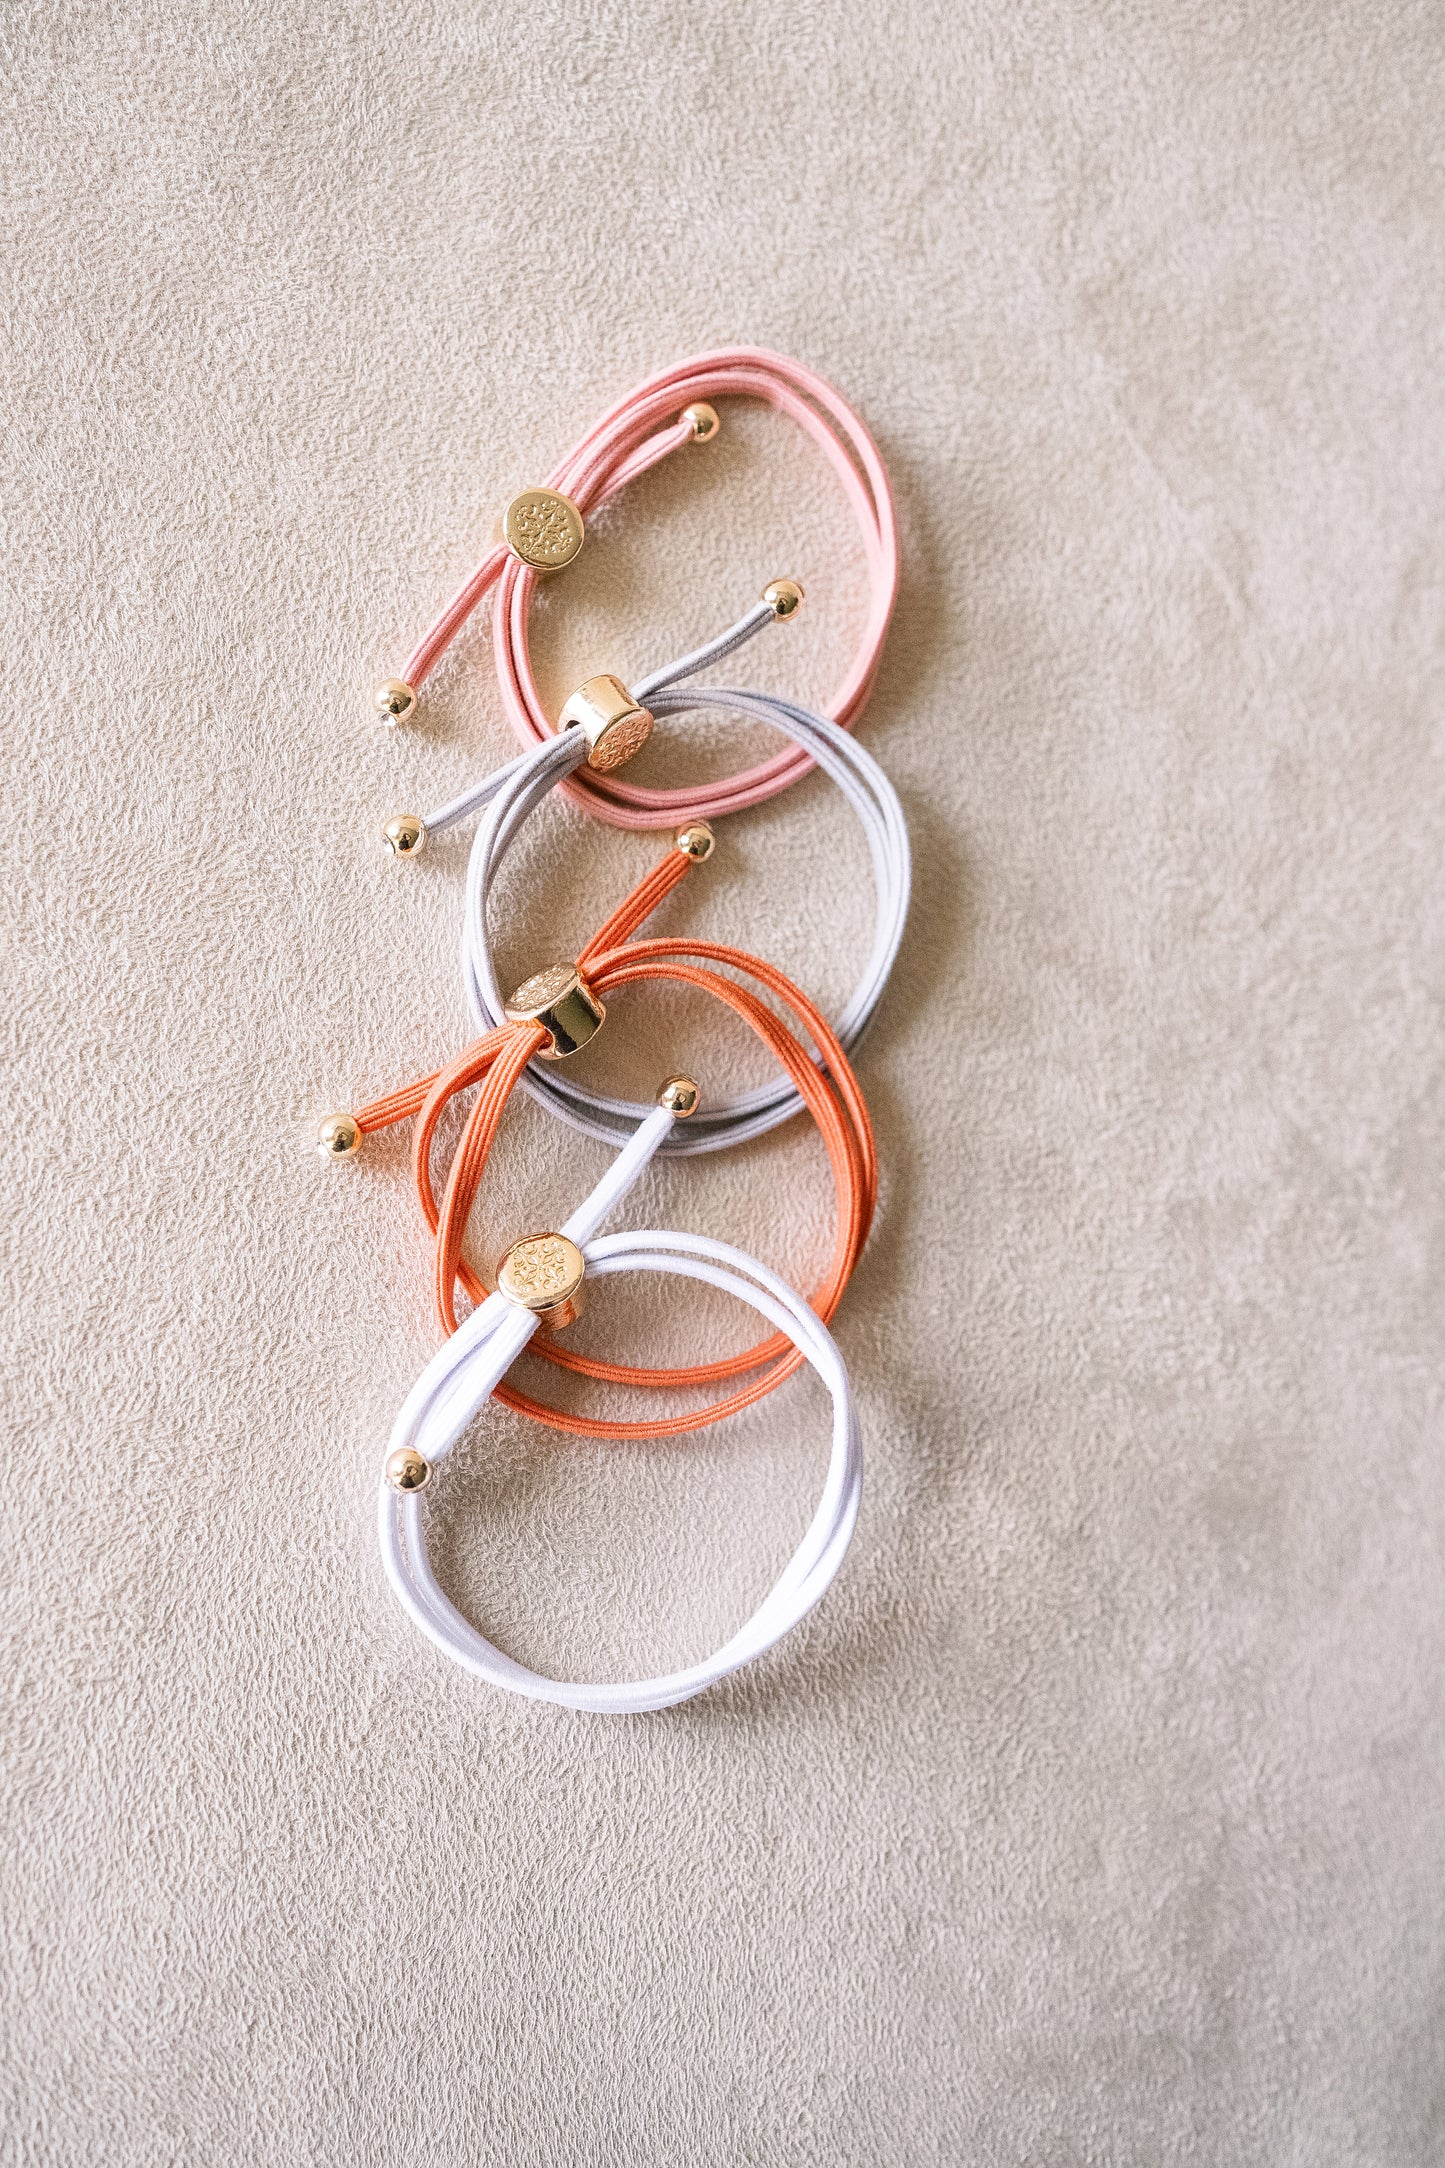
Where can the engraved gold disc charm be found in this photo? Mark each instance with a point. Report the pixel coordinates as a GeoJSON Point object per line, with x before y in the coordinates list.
{"type": "Point", "coordinates": [543, 1273]}
{"type": "Point", "coordinates": [565, 1007]}
{"type": "Point", "coordinates": [614, 725]}
{"type": "Point", "coordinates": [543, 528]}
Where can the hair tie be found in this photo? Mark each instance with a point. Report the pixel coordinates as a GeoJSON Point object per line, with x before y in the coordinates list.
{"type": "Point", "coordinates": [469, 1367]}
{"type": "Point", "coordinates": [544, 531]}
{"type": "Point", "coordinates": [570, 1003]}
{"type": "Point", "coordinates": [604, 720]}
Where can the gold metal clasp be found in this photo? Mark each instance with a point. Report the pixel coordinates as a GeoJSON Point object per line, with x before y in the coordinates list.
{"type": "Point", "coordinates": [543, 528]}
{"type": "Point", "coordinates": [614, 725]}
{"type": "Point", "coordinates": [561, 1001]}
{"type": "Point", "coordinates": [544, 1274]}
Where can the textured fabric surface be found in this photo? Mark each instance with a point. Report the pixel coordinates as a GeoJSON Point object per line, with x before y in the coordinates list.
{"type": "Point", "coordinates": [1097, 1816]}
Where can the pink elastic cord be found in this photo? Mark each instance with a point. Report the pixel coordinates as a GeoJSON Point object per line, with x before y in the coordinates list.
{"type": "Point", "coordinates": [639, 431]}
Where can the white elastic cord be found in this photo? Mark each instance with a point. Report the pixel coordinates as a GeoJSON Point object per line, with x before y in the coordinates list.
{"type": "Point", "coordinates": [702, 658]}
{"type": "Point", "coordinates": [620, 1176]}
{"type": "Point", "coordinates": [460, 1377]}
{"type": "Point", "coordinates": [472, 800]}
{"type": "Point", "coordinates": [512, 794]}
{"type": "Point", "coordinates": [720, 1123]}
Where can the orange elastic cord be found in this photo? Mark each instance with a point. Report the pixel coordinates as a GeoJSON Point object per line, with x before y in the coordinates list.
{"type": "Point", "coordinates": [497, 1061]}
{"type": "Point", "coordinates": [468, 1068]}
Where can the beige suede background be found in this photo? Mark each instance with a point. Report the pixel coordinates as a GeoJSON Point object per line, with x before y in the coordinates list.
{"type": "Point", "coordinates": [1097, 1815]}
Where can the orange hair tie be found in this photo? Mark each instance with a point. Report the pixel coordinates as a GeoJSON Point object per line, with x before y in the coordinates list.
{"type": "Point", "coordinates": [496, 1061]}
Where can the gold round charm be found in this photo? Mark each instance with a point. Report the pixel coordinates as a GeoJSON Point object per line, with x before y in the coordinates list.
{"type": "Point", "coordinates": [405, 835]}
{"type": "Point", "coordinates": [406, 1470]}
{"type": "Point", "coordinates": [338, 1137]}
{"type": "Point", "coordinates": [393, 700]}
{"type": "Point", "coordinates": [540, 991]}
{"type": "Point", "coordinates": [613, 724]}
{"type": "Point", "coordinates": [543, 528]}
{"type": "Point", "coordinates": [783, 597]}
{"type": "Point", "coordinates": [705, 424]}
{"type": "Point", "coordinates": [680, 1097]}
{"type": "Point", "coordinates": [563, 1004]}
{"type": "Point", "coordinates": [543, 1274]}
{"type": "Point", "coordinates": [696, 841]}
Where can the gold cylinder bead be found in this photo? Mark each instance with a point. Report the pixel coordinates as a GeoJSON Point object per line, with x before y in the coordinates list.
{"type": "Point", "coordinates": [696, 841]}
{"type": "Point", "coordinates": [680, 1096]}
{"type": "Point", "coordinates": [394, 701]}
{"type": "Point", "coordinates": [405, 835]}
{"type": "Point", "coordinates": [543, 528]}
{"type": "Point", "coordinates": [705, 424]}
{"type": "Point", "coordinates": [407, 1471]}
{"type": "Point", "coordinates": [784, 598]}
{"type": "Point", "coordinates": [543, 1274]}
{"type": "Point", "coordinates": [613, 724]}
{"type": "Point", "coordinates": [561, 1001]}
{"type": "Point", "coordinates": [338, 1137]}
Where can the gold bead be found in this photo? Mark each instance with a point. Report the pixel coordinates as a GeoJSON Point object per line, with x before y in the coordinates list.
{"type": "Point", "coordinates": [543, 528]}
{"type": "Point", "coordinates": [406, 1470]}
{"type": "Point", "coordinates": [543, 1274]}
{"type": "Point", "coordinates": [405, 835]}
{"type": "Point", "coordinates": [680, 1096]}
{"type": "Point", "coordinates": [614, 726]}
{"type": "Point", "coordinates": [784, 597]}
{"type": "Point", "coordinates": [705, 424]}
{"type": "Point", "coordinates": [393, 700]}
{"type": "Point", "coordinates": [338, 1137]}
{"type": "Point", "coordinates": [696, 841]}
{"type": "Point", "coordinates": [561, 1001]}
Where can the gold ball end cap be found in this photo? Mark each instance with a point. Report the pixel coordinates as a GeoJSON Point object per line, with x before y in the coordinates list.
{"type": "Point", "coordinates": [613, 724]}
{"type": "Point", "coordinates": [338, 1137]}
{"type": "Point", "coordinates": [680, 1096]}
{"type": "Point", "coordinates": [561, 1001]}
{"type": "Point", "coordinates": [705, 424]}
{"type": "Point", "coordinates": [405, 835]}
{"type": "Point", "coordinates": [696, 841]}
{"type": "Point", "coordinates": [407, 1471]}
{"type": "Point", "coordinates": [394, 701]}
{"type": "Point", "coordinates": [544, 1274]}
{"type": "Point", "coordinates": [784, 598]}
{"type": "Point", "coordinates": [543, 528]}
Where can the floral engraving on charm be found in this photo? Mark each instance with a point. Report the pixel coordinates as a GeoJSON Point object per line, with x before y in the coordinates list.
{"type": "Point", "coordinates": [620, 740]}
{"type": "Point", "coordinates": [539, 1269]}
{"type": "Point", "coordinates": [543, 988]}
{"type": "Point", "coordinates": [543, 528]}
{"type": "Point", "coordinates": [544, 1273]}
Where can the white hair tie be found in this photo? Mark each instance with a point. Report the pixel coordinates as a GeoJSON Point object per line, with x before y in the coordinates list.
{"type": "Point", "coordinates": [545, 1281]}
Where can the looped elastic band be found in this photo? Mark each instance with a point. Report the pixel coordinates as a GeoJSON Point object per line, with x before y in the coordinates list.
{"type": "Point", "coordinates": [611, 960]}
{"type": "Point", "coordinates": [512, 794]}
{"type": "Point", "coordinates": [461, 1375]}
{"type": "Point", "coordinates": [641, 430]}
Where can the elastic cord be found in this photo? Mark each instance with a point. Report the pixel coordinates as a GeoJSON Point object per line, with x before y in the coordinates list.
{"type": "Point", "coordinates": [642, 429]}
{"type": "Point", "coordinates": [513, 793]}
{"type": "Point", "coordinates": [457, 1381]}
{"type": "Point", "coordinates": [496, 1062]}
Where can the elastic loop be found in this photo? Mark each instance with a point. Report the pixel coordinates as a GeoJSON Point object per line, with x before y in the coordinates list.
{"type": "Point", "coordinates": [639, 431]}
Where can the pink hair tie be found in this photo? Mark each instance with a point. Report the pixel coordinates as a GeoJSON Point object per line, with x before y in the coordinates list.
{"type": "Point", "coordinates": [544, 526]}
